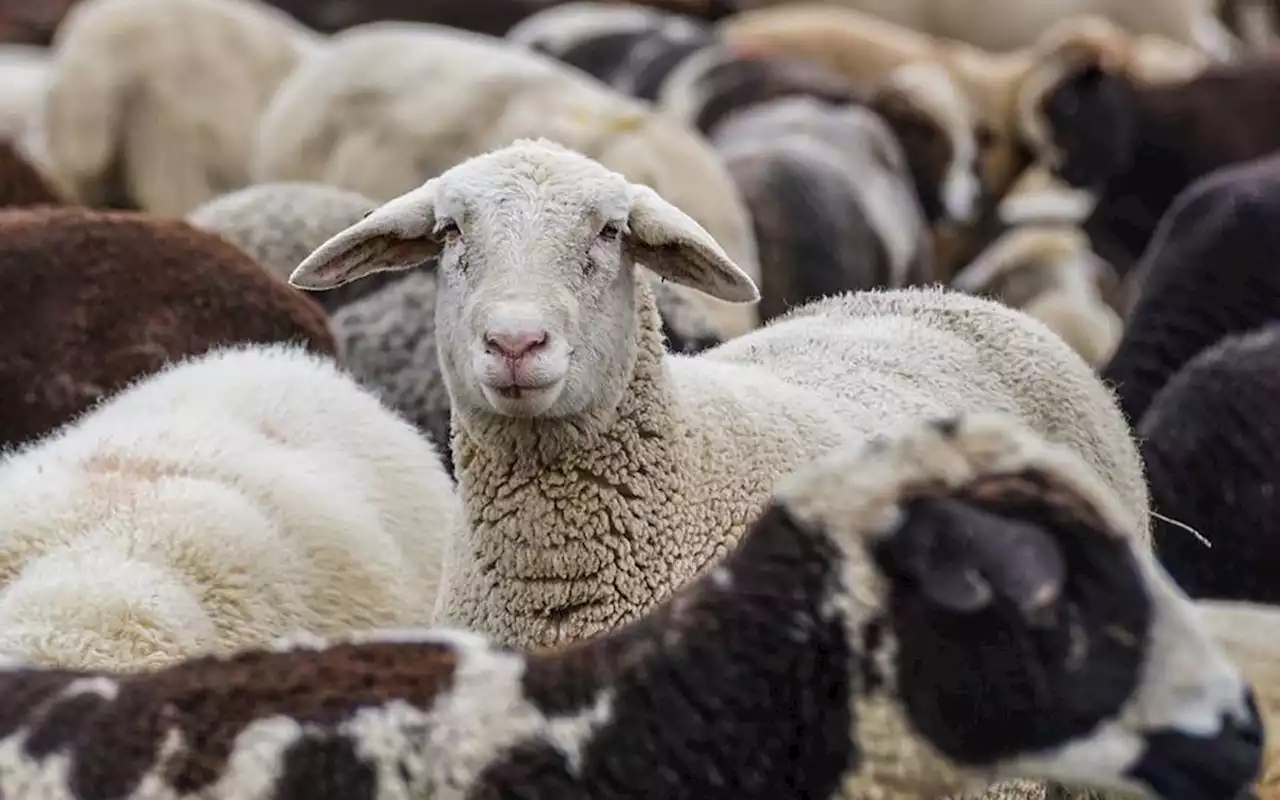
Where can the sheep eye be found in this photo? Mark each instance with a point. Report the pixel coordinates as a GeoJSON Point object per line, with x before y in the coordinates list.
{"type": "Point", "coordinates": [446, 229]}
{"type": "Point", "coordinates": [612, 231]}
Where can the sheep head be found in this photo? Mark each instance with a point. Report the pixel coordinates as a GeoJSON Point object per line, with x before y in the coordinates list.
{"type": "Point", "coordinates": [1075, 104]}
{"type": "Point", "coordinates": [535, 247]}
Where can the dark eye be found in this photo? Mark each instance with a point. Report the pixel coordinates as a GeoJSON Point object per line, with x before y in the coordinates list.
{"type": "Point", "coordinates": [446, 229]}
{"type": "Point", "coordinates": [611, 231]}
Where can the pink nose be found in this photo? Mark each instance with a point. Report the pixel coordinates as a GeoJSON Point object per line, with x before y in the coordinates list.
{"type": "Point", "coordinates": [515, 345]}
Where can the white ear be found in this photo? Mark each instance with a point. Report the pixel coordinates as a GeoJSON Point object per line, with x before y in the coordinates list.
{"type": "Point", "coordinates": [394, 236]}
{"type": "Point", "coordinates": [669, 242]}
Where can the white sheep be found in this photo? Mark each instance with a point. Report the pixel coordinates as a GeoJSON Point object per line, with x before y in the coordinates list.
{"type": "Point", "coordinates": [957, 604]}
{"type": "Point", "coordinates": [1002, 25]}
{"type": "Point", "coordinates": [221, 503]}
{"type": "Point", "coordinates": [600, 474]}
{"type": "Point", "coordinates": [167, 93]}
{"type": "Point", "coordinates": [387, 105]}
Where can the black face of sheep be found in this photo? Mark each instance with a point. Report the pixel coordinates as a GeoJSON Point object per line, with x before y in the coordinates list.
{"type": "Point", "coordinates": [1093, 119]}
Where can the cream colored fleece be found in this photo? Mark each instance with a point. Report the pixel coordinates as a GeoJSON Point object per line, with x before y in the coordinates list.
{"type": "Point", "coordinates": [220, 504]}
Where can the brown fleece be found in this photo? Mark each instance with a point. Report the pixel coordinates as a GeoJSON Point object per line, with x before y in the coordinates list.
{"type": "Point", "coordinates": [95, 300]}
{"type": "Point", "coordinates": [21, 184]}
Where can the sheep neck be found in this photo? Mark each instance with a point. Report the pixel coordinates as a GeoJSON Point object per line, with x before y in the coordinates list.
{"type": "Point", "coordinates": [571, 522]}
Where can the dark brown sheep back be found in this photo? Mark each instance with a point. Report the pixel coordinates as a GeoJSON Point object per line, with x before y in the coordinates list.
{"type": "Point", "coordinates": [95, 300]}
{"type": "Point", "coordinates": [21, 184]}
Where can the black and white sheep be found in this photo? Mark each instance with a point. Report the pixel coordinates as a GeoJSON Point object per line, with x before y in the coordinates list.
{"type": "Point", "coordinates": [956, 604]}
{"type": "Point", "coordinates": [95, 300]}
{"type": "Point", "coordinates": [630, 48]}
{"type": "Point", "coordinates": [831, 198]}
{"type": "Point", "coordinates": [1210, 272]}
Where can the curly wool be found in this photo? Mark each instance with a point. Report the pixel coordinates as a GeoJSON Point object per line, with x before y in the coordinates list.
{"type": "Point", "coordinates": [94, 300]}
{"type": "Point", "coordinates": [1210, 272]}
{"type": "Point", "coordinates": [219, 504]}
{"type": "Point", "coordinates": [696, 443]}
{"type": "Point", "coordinates": [279, 224]}
{"type": "Point", "coordinates": [1213, 459]}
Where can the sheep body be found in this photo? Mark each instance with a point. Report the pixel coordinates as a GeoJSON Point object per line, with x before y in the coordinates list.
{"type": "Point", "coordinates": [95, 300]}
{"type": "Point", "coordinates": [806, 632]}
{"type": "Point", "coordinates": [220, 503]}
{"type": "Point", "coordinates": [279, 224]}
{"type": "Point", "coordinates": [153, 103]}
{"type": "Point", "coordinates": [429, 97]}
{"type": "Point", "coordinates": [831, 198]}
{"type": "Point", "coordinates": [1000, 25]}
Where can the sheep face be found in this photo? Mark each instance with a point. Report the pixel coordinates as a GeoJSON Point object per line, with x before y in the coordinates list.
{"type": "Point", "coordinates": [535, 248]}
{"type": "Point", "coordinates": [975, 549]}
{"type": "Point", "coordinates": [939, 133]}
{"type": "Point", "coordinates": [1090, 125]}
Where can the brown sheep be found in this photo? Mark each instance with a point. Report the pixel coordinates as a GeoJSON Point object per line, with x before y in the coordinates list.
{"type": "Point", "coordinates": [21, 183]}
{"type": "Point", "coordinates": [95, 300]}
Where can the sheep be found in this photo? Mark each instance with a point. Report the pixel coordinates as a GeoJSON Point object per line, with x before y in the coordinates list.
{"type": "Point", "coordinates": [94, 300]}
{"type": "Point", "coordinates": [152, 104]}
{"type": "Point", "coordinates": [831, 198]}
{"type": "Point", "coordinates": [21, 182]}
{"type": "Point", "coordinates": [864, 48]}
{"type": "Point", "coordinates": [23, 73]}
{"type": "Point", "coordinates": [833, 647]}
{"type": "Point", "coordinates": [220, 503]}
{"type": "Point", "coordinates": [1001, 25]}
{"type": "Point", "coordinates": [493, 17]}
{"type": "Point", "coordinates": [1138, 146]}
{"type": "Point", "coordinates": [624, 441]}
{"type": "Point", "coordinates": [279, 224]}
{"type": "Point", "coordinates": [1209, 272]}
{"type": "Point", "coordinates": [629, 48]}
{"type": "Point", "coordinates": [1206, 441]}
{"type": "Point", "coordinates": [1049, 272]}
{"type": "Point", "coordinates": [430, 97]}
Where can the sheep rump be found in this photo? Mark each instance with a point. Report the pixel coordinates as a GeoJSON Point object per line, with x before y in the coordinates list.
{"type": "Point", "coordinates": [220, 503]}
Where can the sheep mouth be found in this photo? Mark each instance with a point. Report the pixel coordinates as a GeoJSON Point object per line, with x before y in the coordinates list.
{"type": "Point", "coordinates": [517, 392]}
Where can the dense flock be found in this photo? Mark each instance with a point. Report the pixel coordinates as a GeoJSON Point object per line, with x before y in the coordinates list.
{"type": "Point", "coordinates": [751, 399]}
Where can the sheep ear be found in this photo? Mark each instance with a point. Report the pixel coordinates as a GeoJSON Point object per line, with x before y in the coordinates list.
{"type": "Point", "coordinates": [669, 242]}
{"type": "Point", "coordinates": [960, 559]}
{"type": "Point", "coordinates": [398, 235]}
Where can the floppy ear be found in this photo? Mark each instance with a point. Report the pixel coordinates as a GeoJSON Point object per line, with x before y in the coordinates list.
{"type": "Point", "coordinates": [398, 235]}
{"type": "Point", "coordinates": [672, 245]}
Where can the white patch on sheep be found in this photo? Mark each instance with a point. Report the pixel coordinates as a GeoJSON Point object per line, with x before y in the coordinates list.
{"type": "Point", "coordinates": [1061, 204]}
{"type": "Point", "coordinates": [483, 715]}
{"type": "Point", "coordinates": [960, 188]}
{"type": "Point", "coordinates": [257, 759]}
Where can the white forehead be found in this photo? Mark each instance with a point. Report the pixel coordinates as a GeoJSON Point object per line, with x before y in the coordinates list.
{"type": "Point", "coordinates": [538, 178]}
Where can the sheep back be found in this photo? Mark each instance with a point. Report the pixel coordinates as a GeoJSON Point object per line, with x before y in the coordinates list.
{"type": "Point", "coordinates": [1211, 456]}
{"type": "Point", "coordinates": [220, 503]}
{"type": "Point", "coordinates": [98, 299]}
{"type": "Point", "coordinates": [280, 224]}
{"type": "Point", "coordinates": [1209, 272]}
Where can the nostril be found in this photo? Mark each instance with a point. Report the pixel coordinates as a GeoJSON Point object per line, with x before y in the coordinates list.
{"type": "Point", "coordinates": [514, 344]}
